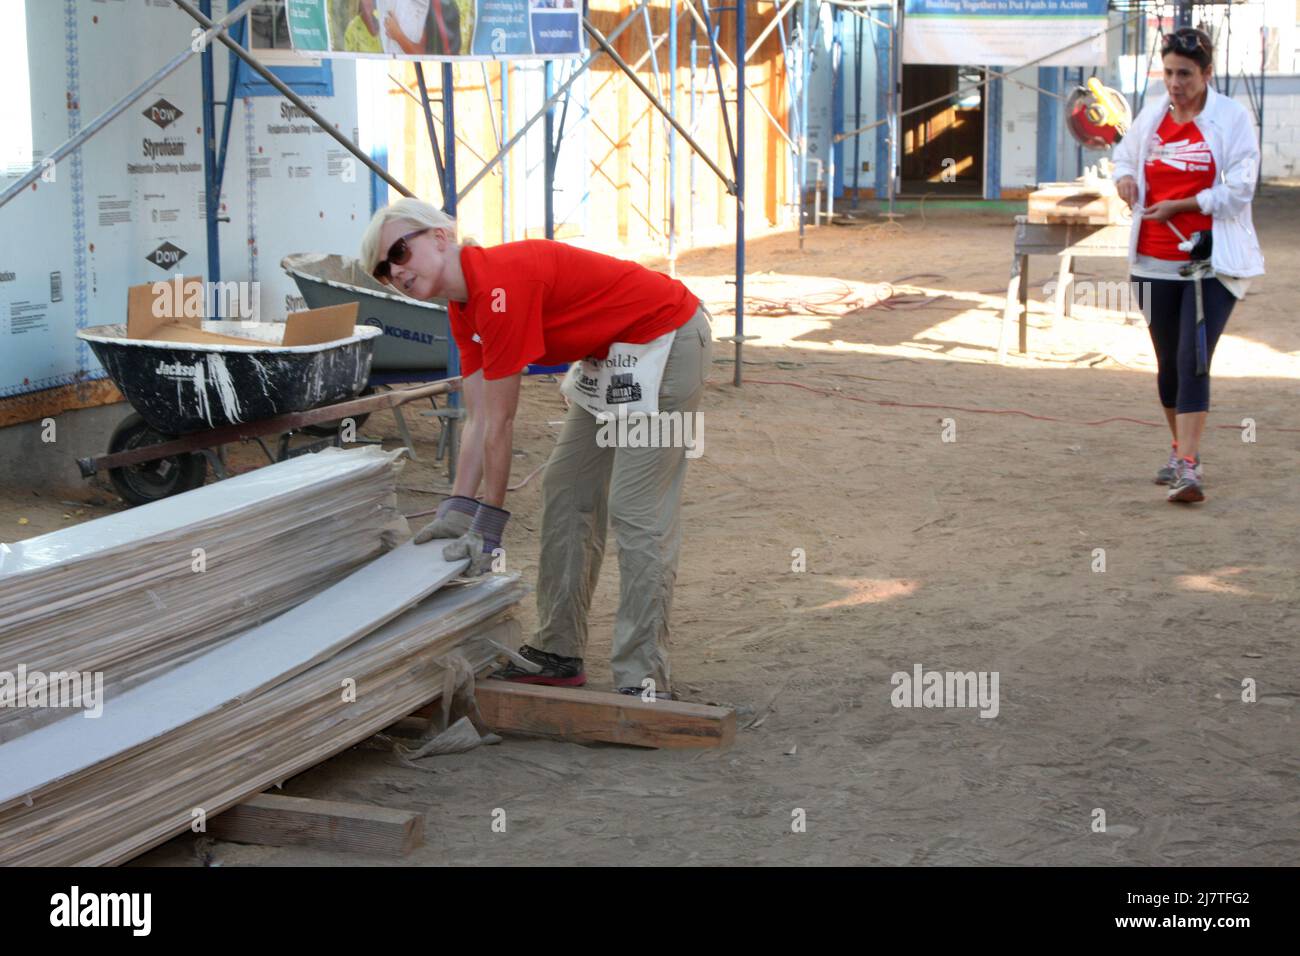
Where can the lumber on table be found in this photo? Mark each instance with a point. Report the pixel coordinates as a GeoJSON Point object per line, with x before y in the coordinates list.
{"type": "Point", "coordinates": [278, 820]}
{"type": "Point", "coordinates": [1076, 203]}
{"type": "Point", "coordinates": [571, 713]}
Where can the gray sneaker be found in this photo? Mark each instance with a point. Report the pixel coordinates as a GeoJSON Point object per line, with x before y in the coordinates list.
{"type": "Point", "coordinates": [1187, 486]}
{"type": "Point", "coordinates": [1169, 474]}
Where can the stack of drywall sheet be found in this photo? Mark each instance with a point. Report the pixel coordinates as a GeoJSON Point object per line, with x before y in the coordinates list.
{"type": "Point", "coordinates": [250, 713]}
{"type": "Point", "coordinates": [132, 594]}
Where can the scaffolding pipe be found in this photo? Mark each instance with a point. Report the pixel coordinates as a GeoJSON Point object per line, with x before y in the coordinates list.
{"type": "Point", "coordinates": [433, 133]}
{"type": "Point", "coordinates": [696, 18]}
{"type": "Point", "coordinates": [564, 88]}
{"type": "Point", "coordinates": [505, 167]}
{"type": "Point", "coordinates": [767, 30]}
{"type": "Point", "coordinates": [548, 152]}
{"type": "Point", "coordinates": [740, 190]}
{"type": "Point", "coordinates": [672, 138]}
{"type": "Point", "coordinates": [449, 144]}
{"type": "Point", "coordinates": [211, 186]}
{"type": "Point", "coordinates": [694, 121]}
{"type": "Point", "coordinates": [717, 74]}
{"type": "Point", "coordinates": [622, 64]}
{"type": "Point", "coordinates": [895, 81]}
{"type": "Point", "coordinates": [805, 71]}
{"type": "Point", "coordinates": [837, 50]}
{"type": "Point", "coordinates": [857, 109]}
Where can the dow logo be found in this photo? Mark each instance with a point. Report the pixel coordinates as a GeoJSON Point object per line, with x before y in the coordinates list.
{"type": "Point", "coordinates": [166, 256]}
{"type": "Point", "coordinates": [163, 114]}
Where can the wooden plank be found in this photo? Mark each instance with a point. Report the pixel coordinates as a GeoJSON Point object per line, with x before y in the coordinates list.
{"type": "Point", "coordinates": [271, 819]}
{"type": "Point", "coordinates": [1095, 204]}
{"type": "Point", "coordinates": [571, 713]}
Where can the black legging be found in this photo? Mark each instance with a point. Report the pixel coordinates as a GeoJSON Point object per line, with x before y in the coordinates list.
{"type": "Point", "coordinates": [1170, 309]}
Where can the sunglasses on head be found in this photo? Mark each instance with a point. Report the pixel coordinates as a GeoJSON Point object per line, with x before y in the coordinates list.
{"type": "Point", "coordinates": [399, 253]}
{"type": "Point", "coordinates": [1186, 42]}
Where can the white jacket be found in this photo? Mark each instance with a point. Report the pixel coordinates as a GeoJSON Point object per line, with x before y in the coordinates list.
{"type": "Point", "coordinates": [1227, 128]}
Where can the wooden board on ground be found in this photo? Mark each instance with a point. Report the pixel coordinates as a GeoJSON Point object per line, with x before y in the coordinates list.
{"type": "Point", "coordinates": [276, 820]}
{"type": "Point", "coordinates": [571, 713]}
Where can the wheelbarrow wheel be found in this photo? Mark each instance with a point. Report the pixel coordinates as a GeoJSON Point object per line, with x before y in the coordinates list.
{"type": "Point", "coordinates": [330, 429]}
{"type": "Point", "coordinates": [152, 480]}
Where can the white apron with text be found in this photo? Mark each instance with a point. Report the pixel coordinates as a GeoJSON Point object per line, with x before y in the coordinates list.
{"type": "Point", "coordinates": [624, 382]}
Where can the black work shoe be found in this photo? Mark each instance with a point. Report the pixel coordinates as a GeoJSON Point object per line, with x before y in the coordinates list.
{"type": "Point", "coordinates": [557, 671]}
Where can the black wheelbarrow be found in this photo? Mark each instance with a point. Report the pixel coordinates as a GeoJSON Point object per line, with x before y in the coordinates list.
{"type": "Point", "coordinates": [180, 389]}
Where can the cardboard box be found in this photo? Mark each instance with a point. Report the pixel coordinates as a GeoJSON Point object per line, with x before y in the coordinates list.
{"type": "Point", "coordinates": [173, 311]}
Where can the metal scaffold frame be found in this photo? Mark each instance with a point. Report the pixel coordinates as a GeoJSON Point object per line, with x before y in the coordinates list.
{"type": "Point", "coordinates": [702, 16]}
{"type": "Point", "coordinates": [229, 32]}
{"type": "Point", "coordinates": [705, 28]}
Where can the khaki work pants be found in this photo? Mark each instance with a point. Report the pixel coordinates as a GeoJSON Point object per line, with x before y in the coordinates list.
{"type": "Point", "coordinates": [639, 491]}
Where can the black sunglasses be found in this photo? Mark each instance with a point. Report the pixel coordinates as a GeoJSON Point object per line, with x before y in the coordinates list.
{"type": "Point", "coordinates": [399, 253]}
{"type": "Point", "coordinates": [1186, 41]}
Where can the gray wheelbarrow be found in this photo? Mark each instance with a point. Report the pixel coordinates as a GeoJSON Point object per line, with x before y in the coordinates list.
{"type": "Point", "coordinates": [415, 333]}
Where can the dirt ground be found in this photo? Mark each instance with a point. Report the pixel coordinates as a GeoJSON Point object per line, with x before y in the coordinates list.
{"type": "Point", "coordinates": [1120, 690]}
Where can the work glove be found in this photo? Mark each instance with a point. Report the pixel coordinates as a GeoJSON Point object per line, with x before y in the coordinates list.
{"type": "Point", "coordinates": [451, 520]}
{"type": "Point", "coordinates": [478, 543]}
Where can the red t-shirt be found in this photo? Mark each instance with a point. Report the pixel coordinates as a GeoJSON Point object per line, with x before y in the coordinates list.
{"type": "Point", "coordinates": [1179, 165]}
{"type": "Point", "coordinates": [550, 303]}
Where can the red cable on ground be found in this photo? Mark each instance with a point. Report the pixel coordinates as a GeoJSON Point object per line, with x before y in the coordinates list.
{"type": "Point", "coordinates": [981, 411]}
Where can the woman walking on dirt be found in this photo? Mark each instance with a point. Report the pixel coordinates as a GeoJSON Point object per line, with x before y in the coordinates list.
{"type": "Point", "coordinates": [1189, 164]}
{"type": "Point", "coordinates": [642, 344]}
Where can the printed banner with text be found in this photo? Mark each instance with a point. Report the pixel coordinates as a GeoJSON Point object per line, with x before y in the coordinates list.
{"type": "Point", "coordinates": [437, 29]}
{"type": "Point", "coordinates": [1005, 32]}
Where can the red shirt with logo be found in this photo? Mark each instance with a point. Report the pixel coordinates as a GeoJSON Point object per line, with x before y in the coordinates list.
{"type": "Point", "coordinates": [1178, 166]}
{"type": "Point", "coordinates": [545, 302]}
